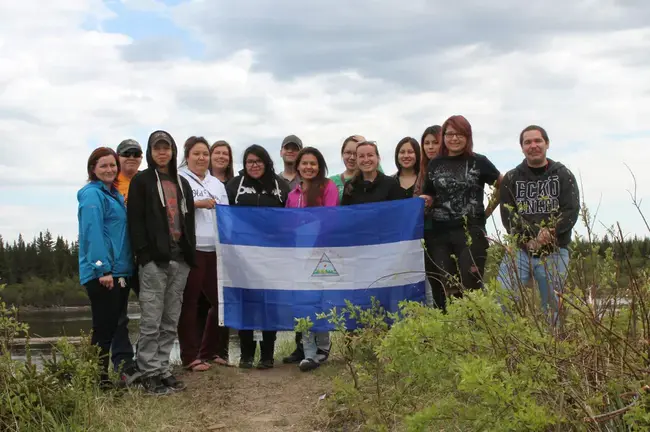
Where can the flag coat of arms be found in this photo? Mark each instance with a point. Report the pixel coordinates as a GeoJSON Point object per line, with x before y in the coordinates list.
{"type": "Point", "coordinates": [278, 264]}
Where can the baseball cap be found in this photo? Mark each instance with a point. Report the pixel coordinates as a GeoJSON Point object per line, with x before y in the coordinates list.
{"type": "Point", "coordinates": [128, 144]}
{"type": "Point", "coordinates": [159, 136]}
{"type": "Point", "coordinates": [292, 139]}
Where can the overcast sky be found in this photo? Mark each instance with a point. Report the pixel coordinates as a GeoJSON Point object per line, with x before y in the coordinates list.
{"type": "Point", "coordinates": [77, 74]}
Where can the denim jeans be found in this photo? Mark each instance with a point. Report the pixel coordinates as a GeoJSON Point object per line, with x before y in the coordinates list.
{"type": "Point", "coordinates": [549, 272]}
{"type": "Point", "coordinates": [314, 341]}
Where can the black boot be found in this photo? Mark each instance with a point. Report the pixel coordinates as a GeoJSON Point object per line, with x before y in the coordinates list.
{"type": "Point", "coordinates": [298, 354]}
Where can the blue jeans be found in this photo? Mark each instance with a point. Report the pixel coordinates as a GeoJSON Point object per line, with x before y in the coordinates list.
{"type": "Point", "coordinates": [314, 341]}
{"type": "Point", "coordinates": [549, 273]}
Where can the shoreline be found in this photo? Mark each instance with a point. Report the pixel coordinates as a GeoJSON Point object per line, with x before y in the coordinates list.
{"type": "Point", "coordinates": [80, 308]}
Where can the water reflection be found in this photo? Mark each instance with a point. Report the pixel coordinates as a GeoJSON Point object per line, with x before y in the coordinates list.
{"type": "Point", "coordinates": [72, 322]}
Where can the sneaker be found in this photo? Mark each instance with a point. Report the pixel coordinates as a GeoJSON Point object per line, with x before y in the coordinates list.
{"type": "Point", "coordinates": [322, 355]}
{"type": "Point", "coordinates": [245, 364]}
{"type": "Point", "coordinates": [130, 375]}
{"type": "Point", "coordinates": [308, 365]}
{"type": "Point", "coordinates": [173, 383]}
{"type": "Point", "coordinates": [265, 364]}
{"type": "Point", "coordinates": [154, 386]}
{"type": "Point", "coordinates": [295, 357]}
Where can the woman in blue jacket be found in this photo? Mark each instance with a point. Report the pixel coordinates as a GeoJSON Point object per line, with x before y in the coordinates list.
{"type": "Point", "coordinates": [105, 259]}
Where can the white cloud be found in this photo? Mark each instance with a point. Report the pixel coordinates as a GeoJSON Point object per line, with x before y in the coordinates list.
{"type": "Point", "coordinates": [66, 87]}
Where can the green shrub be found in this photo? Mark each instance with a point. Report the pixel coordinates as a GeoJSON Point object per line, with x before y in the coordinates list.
{"type": "Point", "coordinates": [60, 396]}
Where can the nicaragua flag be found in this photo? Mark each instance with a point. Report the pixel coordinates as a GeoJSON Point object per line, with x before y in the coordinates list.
{"type": "Point", "coordinates": [277, 264]}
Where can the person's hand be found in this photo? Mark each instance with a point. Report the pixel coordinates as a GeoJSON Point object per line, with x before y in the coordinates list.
{"type": "Point", "coordinates": [206, 203]}
{"type": "Point", "coordinates": [533, 245]}
{"type": "Point", "coordinates": [545, 236]}
{"type": "Point", "coordinates": [428, 200]}
{"type": "Point", "coordinates": [106, 281]}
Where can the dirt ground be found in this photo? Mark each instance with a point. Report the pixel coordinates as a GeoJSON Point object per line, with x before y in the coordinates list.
{"type": "Point", "coordinates": [232, 399]}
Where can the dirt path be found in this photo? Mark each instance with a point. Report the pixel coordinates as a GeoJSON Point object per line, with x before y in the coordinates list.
{"type": "Point", "coordinates": [231, 399]}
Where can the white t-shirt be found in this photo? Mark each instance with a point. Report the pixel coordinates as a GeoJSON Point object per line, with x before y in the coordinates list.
{"type": "Point", "coordinates": [205, 219]}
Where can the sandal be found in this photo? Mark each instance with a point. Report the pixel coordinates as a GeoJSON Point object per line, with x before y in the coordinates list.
{"type": "Point", "coordinates": [221, 362]}
{"type": "Point", "coordinates": [198, 366]}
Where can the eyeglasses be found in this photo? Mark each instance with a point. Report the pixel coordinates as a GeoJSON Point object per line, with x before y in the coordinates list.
{"type": "Point", "coordinates": [451, 135]}
{"type": "Point", "coordinates": [131, 153]}
{"type": "Point", "coordinates": [251, 163]}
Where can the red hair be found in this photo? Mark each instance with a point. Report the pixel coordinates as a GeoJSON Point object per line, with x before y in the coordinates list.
{"type": "Point", "coordinates": [95, 156]}
{"type": "Point", "coordinates": [463, 127]}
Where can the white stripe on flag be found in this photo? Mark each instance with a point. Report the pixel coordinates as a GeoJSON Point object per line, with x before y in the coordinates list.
{"type": "Point", "coordinates": [343, 268]}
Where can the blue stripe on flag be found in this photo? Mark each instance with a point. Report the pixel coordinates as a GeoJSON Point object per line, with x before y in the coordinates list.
{"type": "Point", "coordinates": [365, 224]}
{"type": "Point", "coordinates": [260, 309]}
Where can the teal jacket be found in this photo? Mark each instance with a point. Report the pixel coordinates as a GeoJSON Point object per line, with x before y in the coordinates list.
{"type": "Point", "coordinates": [104, 246]}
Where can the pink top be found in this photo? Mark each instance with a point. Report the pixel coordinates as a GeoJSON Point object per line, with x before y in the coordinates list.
{"type": "Point", "coordinates": [329, 198]}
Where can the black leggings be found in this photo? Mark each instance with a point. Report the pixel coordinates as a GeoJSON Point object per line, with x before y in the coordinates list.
{"type": "Point", "coordinates": [248, 345]}
{"type": "Point", "coordinates": [107, 306]}
{"type": "Point", "coordinates": [468, 265]}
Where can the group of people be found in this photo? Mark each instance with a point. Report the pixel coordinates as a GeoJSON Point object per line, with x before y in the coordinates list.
{"type": "Point", "coordinates": [154, 231]}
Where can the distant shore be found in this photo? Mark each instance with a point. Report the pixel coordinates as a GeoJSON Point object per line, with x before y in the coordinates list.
{"type": "Point", "coordinates": [57, 309]}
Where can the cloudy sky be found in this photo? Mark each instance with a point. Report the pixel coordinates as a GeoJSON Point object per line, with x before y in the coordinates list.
{"type": "Point", "coordinates": [76, 74]}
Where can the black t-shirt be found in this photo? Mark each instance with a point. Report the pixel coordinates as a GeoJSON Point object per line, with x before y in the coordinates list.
{"type": "Point", "coordinates": [457, 185]}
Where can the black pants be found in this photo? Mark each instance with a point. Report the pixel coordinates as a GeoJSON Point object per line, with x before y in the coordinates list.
{"type": "Point", "coordinates": [248, 345]}
{"type": "Point", "coordinates": [106, 306]}
{"type": "Point", "coordinates": [121, 347]}
{"type": "Point", "coordinates": [468, 266]}
{"type": "Point", "coordinates": [299, 350]}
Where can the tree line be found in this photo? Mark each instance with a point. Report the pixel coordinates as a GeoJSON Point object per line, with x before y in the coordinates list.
{"type": "Point", "coordinates": [44, 271]}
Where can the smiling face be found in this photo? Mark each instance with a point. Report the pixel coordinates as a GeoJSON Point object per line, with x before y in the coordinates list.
{"type": "Point", "coordinates": [534, 148]}
{"type": "Point", "coordinates": [454, 141]}
{"type": "Point", "coordinates": [220, 158]}
{"type": "Point", "coordinates": [106, 169]}
{"type": "Point", "coordinates": [198, 159]}
{"type": "Point", "coordinates": [308, 167]}
{"type": "Point", "coordinates": [130, 161]}
{"type": "Point", "coordinates": [350, 155]}
{"type": "Point", "coordinates": [431, 146]}
{"type": "Point", "coordinates": [367, 158]}
{"type": "Point", "coordinates": [254, 166]}
{"type": "Point", "coordinates": [406, 156]}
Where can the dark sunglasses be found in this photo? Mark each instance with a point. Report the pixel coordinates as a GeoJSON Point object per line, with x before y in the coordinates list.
{"type": "Point", "coordinates": [131, 153]}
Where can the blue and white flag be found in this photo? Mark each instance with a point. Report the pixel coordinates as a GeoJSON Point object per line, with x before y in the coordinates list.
{"type": "Point", "coordinates": [277, 264]}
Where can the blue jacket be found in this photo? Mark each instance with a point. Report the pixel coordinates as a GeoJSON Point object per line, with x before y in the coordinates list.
{"type": "Point", "coordinates": [104, 245]}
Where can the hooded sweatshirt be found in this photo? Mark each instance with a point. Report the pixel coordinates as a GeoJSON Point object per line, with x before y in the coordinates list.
{"type": "Point", "coordinates": [205, 219]}
{"type": "Point", "coordinates": [244, 190]}
{"type": "Point", "coordinates": [104, 246]}
{"type": "Point", "coordinates": [530, 198]}
{"type": "Point", "coordinates": [329, 196]}
{"type": "Point", "coordinates": [161, 211]}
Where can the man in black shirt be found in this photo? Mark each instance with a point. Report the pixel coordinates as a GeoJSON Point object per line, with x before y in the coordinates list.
{"type": "Point", "coordinates": [540, 203]}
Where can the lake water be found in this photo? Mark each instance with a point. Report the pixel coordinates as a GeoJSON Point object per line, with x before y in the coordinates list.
{"type": "Point", "coordinates": [52, 323]}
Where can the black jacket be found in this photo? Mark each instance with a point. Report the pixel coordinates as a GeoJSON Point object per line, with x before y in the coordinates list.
{"type": "Point", "coordinates": [244, 190]}
{"type": "Point", "coordinates": [383, 188]}
{"type": "Point", "coordinates": [528, 200]}
{"type": "Point", "coordinates": [147, 216]}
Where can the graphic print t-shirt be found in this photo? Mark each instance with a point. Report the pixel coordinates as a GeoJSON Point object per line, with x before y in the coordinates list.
{"type": "Point", "coordinates": [457, 184]}
{"type": "Point", "coordinates": [170, 189]}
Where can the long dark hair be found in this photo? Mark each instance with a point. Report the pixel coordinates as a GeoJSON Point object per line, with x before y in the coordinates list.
{"type": "Point", "coordinates": [268, 179]}
{"type": "Point", "coordinates": [416, 149]}
{"type": "Point", "coordinates": [95, 156]}
{"type": "Point", "coordinates": [189, 145]}
{"type": "Point", "coordinates": [424, 159]}
{"type": "Point", "coordinates": [230, 172]}
{"type": "Point", "coordinates": [317, 184]}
